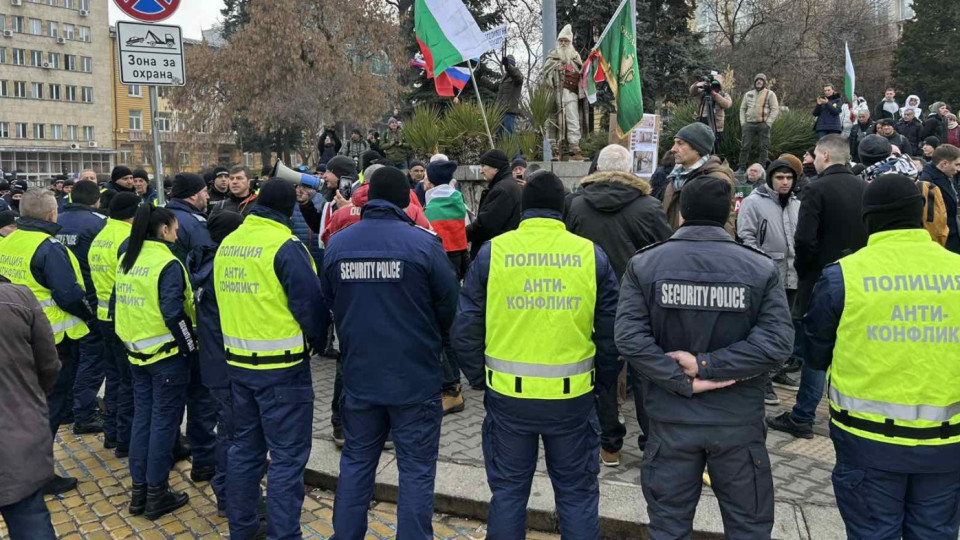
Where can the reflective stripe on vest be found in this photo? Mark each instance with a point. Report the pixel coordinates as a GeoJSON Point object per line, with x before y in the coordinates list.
{"type": "Point", "coordinates": [139, 322]}
{"type": "Point", "coordinates": [103, 262]}
{"type": "Point", "coordinates": [249, 293]}
{"type": "Point", "coordinates": [16, 254]}
{"type": "Point", "coordinates": [899, 325]}
{"type": "Point", "coordinates": [541, 294]}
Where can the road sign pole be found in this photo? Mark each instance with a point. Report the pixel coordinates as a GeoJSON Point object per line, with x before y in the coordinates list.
{"type": "Point", "coordinates": [157, 150]}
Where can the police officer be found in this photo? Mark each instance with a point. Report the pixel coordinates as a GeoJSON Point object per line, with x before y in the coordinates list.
{"type": "Point", "coordinates": [535, 324]}
{"type": "Point", "coordinates": [103, 256]}
{"type": "Point", "coordinates": [393, 293]}
{"type": "Point", "coordinates": [703, 319]}
{"type": "Point", "coordinates": [213, 362]}
{"type": "Point", "coordinates": [188, 201]}
{"type": "Point", "coordinates": [33, 257]}
{"type": "Point", "coordinates": [154, 318]}
{"type": "Point", "coordinates": [262, 273]}
{"type": "Point", "coordinates": [882, 320]}
{"type": "Point", "coordinates": [80, 222]}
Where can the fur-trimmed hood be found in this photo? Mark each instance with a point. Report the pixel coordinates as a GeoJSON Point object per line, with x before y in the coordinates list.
{"type": "Point", "coordinates": [625, 178]}
{"type": "Point", "coordinates": [611, 192]}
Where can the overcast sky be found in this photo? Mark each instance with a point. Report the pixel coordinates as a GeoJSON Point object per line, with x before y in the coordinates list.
{"type": "Point", "coordinates": [192, 16]}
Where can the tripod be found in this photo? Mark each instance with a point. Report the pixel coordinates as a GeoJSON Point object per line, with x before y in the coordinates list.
{"type": "Point", "coordinates": [706, 105]}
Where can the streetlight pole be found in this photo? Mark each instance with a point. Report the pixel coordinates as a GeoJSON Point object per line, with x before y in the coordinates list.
{"type": "Point", "coordinates": [549, 41]}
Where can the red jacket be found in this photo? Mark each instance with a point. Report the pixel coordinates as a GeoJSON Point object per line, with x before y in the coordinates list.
{"type": "Point", "coordinates": [350, 214]}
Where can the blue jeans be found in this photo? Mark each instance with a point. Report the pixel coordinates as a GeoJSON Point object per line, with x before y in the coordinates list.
{"type": "Point", "coordinates": [89, 375]}
{"type": "Point", "coordinates": [119, 394]}
{"type": "Point", "coordinates": [812, 382]}
{"type": "Point", "coordinates": [159, 395]}
{"type": "Point", "coordinates": [28, 518]}
{"type": "Point", "coordinates": [416, 434]}
{"type": "Point", "coordinates": [60, 400]}
{"type": "Point", "coordinates": [510, 448]}
{"type": "Point", "coordinates": [509, 123]}
{"type": "Point", "coordinates": [273, 410]}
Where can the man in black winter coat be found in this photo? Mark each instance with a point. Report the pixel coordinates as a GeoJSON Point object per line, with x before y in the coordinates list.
{"type": "Point", "coordinates": [886, 130]}
{"type": "Point", "coordinates": [941, 171]}
{"type": "Point", "coordinates": [614, 209]}
{"type": "Point", "coordinates": [910, 127]}
{"type": "Point", "coordinates": [828, 228]}
{"type": "Point", "coordinates": [499, 209]}
{"type": "Point", "coordinates": [863, 127]}
{"type": "Point", "coordinates": [935, 125]}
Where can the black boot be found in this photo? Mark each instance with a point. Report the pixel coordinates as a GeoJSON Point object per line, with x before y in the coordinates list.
{"type": "Point", "coordinates": [331, 351]}
{"type": "Point", "coordinates": [138, 499]}
{"type": "Point", "coordinates": [161, 500]}
{"type": "Point", "coordinates": [203, 474]}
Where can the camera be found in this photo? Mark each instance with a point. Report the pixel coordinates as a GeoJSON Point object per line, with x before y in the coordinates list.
{"type": "Point", "coordinates": [710, 80]}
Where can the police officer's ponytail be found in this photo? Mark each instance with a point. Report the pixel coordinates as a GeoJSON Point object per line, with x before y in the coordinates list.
{"type": "Point", "coordinates": [146, 226]}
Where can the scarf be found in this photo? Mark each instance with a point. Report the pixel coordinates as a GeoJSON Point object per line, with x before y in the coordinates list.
{"type": "Point", "coordinates": [679, 175]}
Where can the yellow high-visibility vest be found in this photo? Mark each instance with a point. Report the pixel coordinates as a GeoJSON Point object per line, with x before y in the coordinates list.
{"type": "Point", "coordinates": [103, 262]}
{"type": "Point", "coordinates": [541, 294]}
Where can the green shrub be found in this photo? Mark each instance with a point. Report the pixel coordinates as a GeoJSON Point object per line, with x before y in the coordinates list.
{"type": "Point", "coordinates": [593, 143]}
{"type": "Point", "coordinates": [792, 133]}
{"type": "Point", "coordinates": [423, 131]}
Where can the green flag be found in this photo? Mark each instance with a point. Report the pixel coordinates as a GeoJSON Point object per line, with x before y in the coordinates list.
{"type": "Point", "coordinates": [614, 59]}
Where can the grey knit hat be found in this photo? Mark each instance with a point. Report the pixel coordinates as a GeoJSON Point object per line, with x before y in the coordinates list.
{"type": "Point", "coordinates": [699, 136]}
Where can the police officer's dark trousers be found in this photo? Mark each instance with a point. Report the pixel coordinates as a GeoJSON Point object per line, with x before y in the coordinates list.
{"type": "Point", "coordinates": [118, 395]}
{"type": "Point", "coordinates": [881, 505]}
{"type": "Point", "coordinates": [571, 447]}
{"type": "Point", "coordinates": [416, 434]}
{"type": "Point", "coordinates": [89, 377]}
{"type": "Point", "coordinates": [671, 477]}
{"type": "Point", "coordinates": [201, 420]}
{"type": "Point", "coordinates": [159, 393]}
{"type": "Point", "coordinates": [273, 410]}
{"type": "Point", "coordinates": [225, 433]}
{"type": "Point", "coordinates": [59, 399]}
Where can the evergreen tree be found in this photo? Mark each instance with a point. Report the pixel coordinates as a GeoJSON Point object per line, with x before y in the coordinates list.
{"type": "Point", "coordinates": [234, 16]}
{"type": "Point", "coordinates": [421, 89]}
{"type": "Point", "coordinates": [927, 57]}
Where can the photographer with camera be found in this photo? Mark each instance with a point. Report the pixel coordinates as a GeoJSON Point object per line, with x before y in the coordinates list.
{"type": "Point", "coordinates": [713, 103]}
{"type": "Point", "coordinates": [758, 111]}
{"type": "Point", "coordinates": [508, 93]}
{"type": "Point", "coordinates": [827, 112]}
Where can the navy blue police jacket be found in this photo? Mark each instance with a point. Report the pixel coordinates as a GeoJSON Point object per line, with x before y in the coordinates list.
{"type": "Point", "coordinates": [723, 302]}
{"type": "Point", "coordinates": [212, 356]}
{"type": "Point", "coordinates": [52, 269]}
{"type": "Point", "coordinates": [393, 293]}
{"type": "Point", "coordinates": [820, 326]}
{"type": "Point", "coordinates": [192, 233]}
{"type": "Point", "coordinates": [469, 336]}
{"type": "Point", "coordinates": [79, 225]}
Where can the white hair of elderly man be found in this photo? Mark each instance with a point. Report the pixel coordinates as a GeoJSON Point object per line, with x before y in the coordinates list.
{"type": "Point", "coordinates": [614, 158]}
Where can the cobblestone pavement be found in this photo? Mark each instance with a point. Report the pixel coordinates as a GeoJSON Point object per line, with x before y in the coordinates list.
{"type": "Point", "coordinates": [801, 467]}
{"type": "Point", "coordinates": [96, 510]}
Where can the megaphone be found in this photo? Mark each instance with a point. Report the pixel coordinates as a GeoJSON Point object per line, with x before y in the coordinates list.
{"type": "Point", "coordinates": [286, 173]}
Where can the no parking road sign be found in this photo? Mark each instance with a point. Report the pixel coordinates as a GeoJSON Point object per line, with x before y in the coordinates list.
{"type": "Point", "coordinates": [150, 54]}
{"type": "Point", "coordinates": [148, 10]}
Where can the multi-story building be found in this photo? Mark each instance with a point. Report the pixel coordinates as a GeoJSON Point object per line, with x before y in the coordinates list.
{"type": "Point", "coordinates": [183, 149]}
{"type": "Point", "coordinates": [55, 87]}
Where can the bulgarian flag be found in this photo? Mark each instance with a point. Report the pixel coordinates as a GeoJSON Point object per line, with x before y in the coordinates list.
{"type": "Point", "coordinates": [447, 34]}
{"type": "Point", "coordinates": [850, 77]}
{"type": "Point", "coordinates": [447, 214]}
{"type": "Point", "coordinates": [614, 60]}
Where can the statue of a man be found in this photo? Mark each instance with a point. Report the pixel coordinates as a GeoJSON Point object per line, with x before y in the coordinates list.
{"type": "Point", "coordinates": [562, 72]}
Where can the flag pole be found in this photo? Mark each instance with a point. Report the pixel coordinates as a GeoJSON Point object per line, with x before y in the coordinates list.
{"type": "Point", "coordinates": [483, 112]}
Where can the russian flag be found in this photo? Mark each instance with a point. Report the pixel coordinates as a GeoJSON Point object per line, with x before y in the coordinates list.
{"type": "Point", "coordinates": [448, 83]}
{"type": "Point", "coordinates": [418, 62]}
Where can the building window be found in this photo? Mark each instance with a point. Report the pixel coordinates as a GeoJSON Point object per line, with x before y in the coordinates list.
{"type": "Point", "coordinates": [134, 91]}
{"type": "Point", "coordinates": [88, 133]}
{"type": "Point", "coordinates": [136, 120]}
{"type": "Point", "coordinates": [36, 58]}
{"type": "Point", "coordinates": [164, 122]}
{"type": "Point", "coordinates": [126, 153]}
{"type": "Point", "coordinates": [39, 131]}
{"type": "Point", "coordinates": [3, 21]}
{"type": "Point", "coordinates": [37, 90]}
{"type": "Point", "coordinates": [55, 92]}
{"type": "Point", "coordinates": [53, 29]}
{"type": "Point", "coordinates": [68, 3]}
{"type": "Point", "coordinates": [36, 27]}
{"type": "Point", "coordinates": [86, 94]}
{"type": "Point", "coordinates": [19, 89]}
{"type": "Point", "coordinates": [72, 133]}
{"type": "Point", "coordinates": [21, 130]}
{"type": "Point", "coordinates": [17, 24]}
{"type": "Point", "coordinates": [71, 93]}
{"type": "Point", "coordinates": [52, 3]}
{"type": "Point", "coordinates": [19, 57]}
{"type": "Point", "coordinates": [70, 62]}
{"type": "Point", "coordinates": [84, 5]}
{"type": "Point", "coordinates": [68, 31]}
{"type": "Point", "coordinates": [83, 33]}
{"type": "Point", "coordinates": [163, 91]}
{"type": "Point", "coordinates": [86, 64]}
{"type": "Point", "coordinates": [56, 132]}
{"type": "Point", "coordinates": [3, 88]}
{"type": "Point", "coordinates": [184, 159]}
{"type": "Point", "coordinates": [54, 60]}
{"type": "Point", "coordinates": [3, 55]}
{"type": "Point", "coordinates": [4, 130]}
